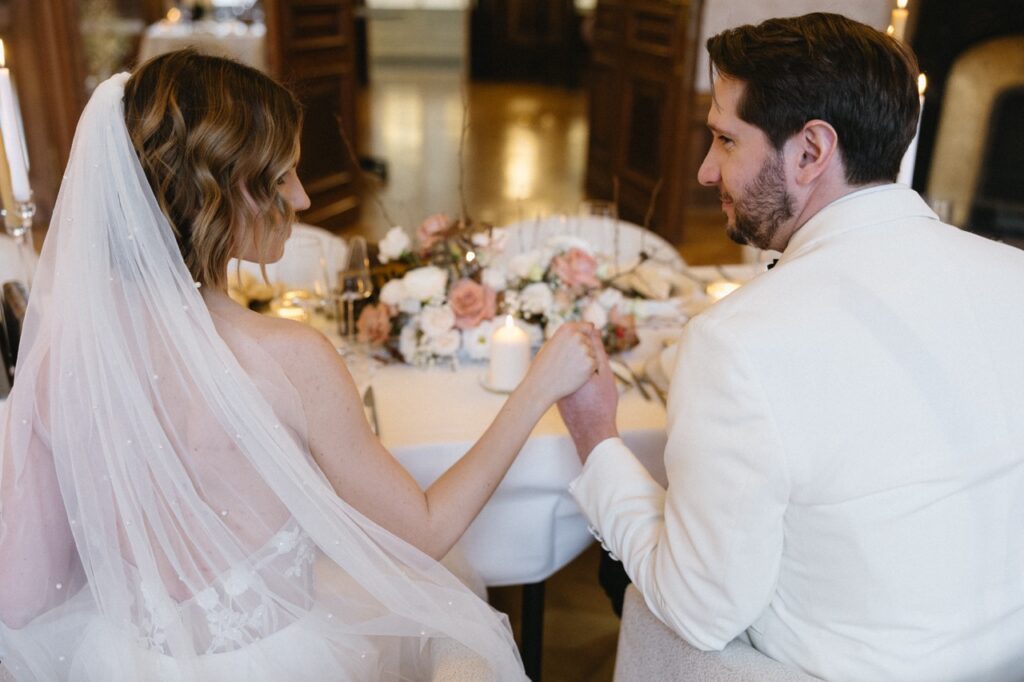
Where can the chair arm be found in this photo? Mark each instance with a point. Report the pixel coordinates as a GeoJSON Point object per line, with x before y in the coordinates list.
{"type": "Point", "coordinates": [649, 650]}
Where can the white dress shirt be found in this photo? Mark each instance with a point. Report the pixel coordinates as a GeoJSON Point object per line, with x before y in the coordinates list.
{"type": "Point", "coordinates": [845, 456]}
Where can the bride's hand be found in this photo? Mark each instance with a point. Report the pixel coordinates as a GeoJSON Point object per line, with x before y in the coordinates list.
{"type": "Point", "coordinates": [566, 361]}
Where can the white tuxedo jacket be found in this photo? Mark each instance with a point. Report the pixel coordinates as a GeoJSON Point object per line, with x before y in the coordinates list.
{"type": "Point", "coordinates": [845, 456]}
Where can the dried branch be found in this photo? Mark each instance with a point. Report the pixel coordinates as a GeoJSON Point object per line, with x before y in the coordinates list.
{"type": "Point", "coordinates": [359, 169]}
{"type": "Point", "coordinates": [466, 220]}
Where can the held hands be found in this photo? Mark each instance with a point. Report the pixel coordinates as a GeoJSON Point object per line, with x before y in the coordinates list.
{"type": "Point", "coordinates": [566, 361]}
{"type": "Point", "coordinates": [589, 413]}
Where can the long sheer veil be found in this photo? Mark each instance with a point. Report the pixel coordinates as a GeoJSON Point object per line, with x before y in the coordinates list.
{"type": "Point", "coordinates": [202, 541]}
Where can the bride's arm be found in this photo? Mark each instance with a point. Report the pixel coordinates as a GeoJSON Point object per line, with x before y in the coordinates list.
{"type": "Point", "coordinates": [38, 559]}
{"type": "Point", "coordinates": [369, 478]}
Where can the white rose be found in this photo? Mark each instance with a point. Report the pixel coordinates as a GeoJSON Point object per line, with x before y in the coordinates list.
{"type": "Point", "coordinates": [527, 266]}
{"type": "Point", "coordinates": [596, 315]}
{"type": "Point", "coordinates": [393, 292]}
{"type": "Point", "coordinates": [395, 243]}
{"type": "Point", "coordinates": [426, 283]}
{"type": "Point", "coordinates": [408, 342]}
{"type": "Point", "coordinates": [494, 279]}
{"type": "Point", "coordinates": [610, 298]}
{"type": "Point", "coordinates": [536, 299]}
{"type": "Point", "coordinates": [477, 341]}
{"type": "Point", "coordinates": [436, 320]}
{"type": "Point", "coordinates": [410, 306]}
{"type": "Point", "coordinates": [447, 343]}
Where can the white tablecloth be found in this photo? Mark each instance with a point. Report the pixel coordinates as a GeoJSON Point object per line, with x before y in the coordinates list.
{"type": "Point", "coordinates": [231, 39]}
{"type": "Point", "coordinates": [531, 527]}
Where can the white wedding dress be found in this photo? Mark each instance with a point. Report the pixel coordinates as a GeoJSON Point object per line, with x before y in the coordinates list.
{"type": "Point", "coordinates": [161, 517]}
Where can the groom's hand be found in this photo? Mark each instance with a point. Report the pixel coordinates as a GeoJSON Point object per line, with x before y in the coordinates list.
{"type": "Point", "coordinates": [589, 413]}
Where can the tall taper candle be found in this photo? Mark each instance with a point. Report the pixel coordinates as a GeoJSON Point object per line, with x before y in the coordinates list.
{"type": "Point", "coordinates": [10, 128]}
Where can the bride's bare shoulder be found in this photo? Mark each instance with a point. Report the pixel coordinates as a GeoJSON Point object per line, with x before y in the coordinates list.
{"type": "Point", "coordinates": [294, 343]}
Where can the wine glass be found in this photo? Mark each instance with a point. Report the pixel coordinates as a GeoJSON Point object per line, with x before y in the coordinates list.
{"type": "Point", "coordinates": [603, 218]}
{"type": "Point", "coordinates": [356, 285]}
{"type": "Point", "coordinates": [301, 276]}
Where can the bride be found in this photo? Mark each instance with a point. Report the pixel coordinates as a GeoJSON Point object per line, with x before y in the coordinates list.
{"type": "Point", "coordinates": [189, 490]}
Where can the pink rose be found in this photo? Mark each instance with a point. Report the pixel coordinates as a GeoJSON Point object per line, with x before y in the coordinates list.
{"type": "Point", "coordinates": [431, 229]}
{"type": "Point", "coordinates": [576, 269]}
{"type": "Point", "coordinates": [472, 303]}
{"type": "Point", "coordinates": [374, 324]}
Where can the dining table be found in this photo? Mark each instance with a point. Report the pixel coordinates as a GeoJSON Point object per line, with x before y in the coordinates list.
{"type": "Point", "coordinates": [428, 417]}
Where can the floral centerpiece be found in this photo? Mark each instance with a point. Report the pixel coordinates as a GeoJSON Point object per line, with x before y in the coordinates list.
{"type": "Point", "coordinates": [457, 281]}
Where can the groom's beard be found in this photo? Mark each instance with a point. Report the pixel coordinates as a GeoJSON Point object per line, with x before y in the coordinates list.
{"type": "Point", "coordinates": [763, 207]}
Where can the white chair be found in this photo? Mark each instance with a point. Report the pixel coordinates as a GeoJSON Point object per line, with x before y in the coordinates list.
{"type": "Point", "coordinates": [603, 234]}
{"type": "Point", "coordinates": [649, 650]}
{"type": "Point", "coordinates": [335, 252]}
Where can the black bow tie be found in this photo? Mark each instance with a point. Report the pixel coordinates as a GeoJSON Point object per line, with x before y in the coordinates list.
{"type": "Point", "coordinates": [772, 264]}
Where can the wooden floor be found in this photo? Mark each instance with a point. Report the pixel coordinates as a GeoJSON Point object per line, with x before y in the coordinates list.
{"type": "Point", "coordinates": [524, 155]}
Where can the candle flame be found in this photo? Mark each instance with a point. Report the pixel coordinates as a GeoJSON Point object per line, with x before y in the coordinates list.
{"type": "Point", "coordinates": [174, 15]}
{"type": "Point", "coordinates": [891, 30]}
{"type": "Point", "coordinates": [470, 256]}
{"type": "Point", "coordinates": [902, 4]}
{"type": "Point", "coordinates": [509, 322]}
{"type": "Point", "coordinates": [922, 84]}
{"type": "Point", "coordinates": [3, 55]}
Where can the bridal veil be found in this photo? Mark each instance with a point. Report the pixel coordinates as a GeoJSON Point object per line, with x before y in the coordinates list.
{"type": "Point", "coordinates": [173, 525]}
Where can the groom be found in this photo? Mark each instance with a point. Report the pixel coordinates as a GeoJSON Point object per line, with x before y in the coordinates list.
{"type": "Point", "coordinates": [845, 448]}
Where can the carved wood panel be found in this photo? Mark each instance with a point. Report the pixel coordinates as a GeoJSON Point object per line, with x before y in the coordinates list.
{"type": "Point", "coordinates": [640, 104]}
{"type": "Point", "coordinates": [311, 47]}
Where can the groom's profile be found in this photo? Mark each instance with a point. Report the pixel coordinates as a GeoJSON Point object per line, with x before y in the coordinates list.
{"type": "Point", "coordinates": [845, 456]}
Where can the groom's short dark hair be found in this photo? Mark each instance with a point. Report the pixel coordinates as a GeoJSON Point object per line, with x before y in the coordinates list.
{"type": "Point", "coordinates": [828, 67]}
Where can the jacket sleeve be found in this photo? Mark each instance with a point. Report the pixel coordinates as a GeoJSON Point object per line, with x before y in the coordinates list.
{"type": "Point", "coordinates": [706, 552]}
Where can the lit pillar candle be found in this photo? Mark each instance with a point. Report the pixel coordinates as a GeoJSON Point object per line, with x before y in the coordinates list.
{"type": "Point", "coordinates": [906, 175]}
{"type": "Point", "coordinates": [10, 128]}
{"type": "Point", "coordinates": [898, 20]}
{"type": "Point", "coordinates": [716, 291]}
{"type": "Point", "coordinates": [510, 356]}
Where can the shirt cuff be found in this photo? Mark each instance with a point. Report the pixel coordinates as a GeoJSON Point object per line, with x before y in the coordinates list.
{"type": "Point", "coordinates": [608, 445]}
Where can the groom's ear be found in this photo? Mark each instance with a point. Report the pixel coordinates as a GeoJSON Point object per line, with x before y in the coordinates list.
{"type": "Point", "coordinates": [813, 151]}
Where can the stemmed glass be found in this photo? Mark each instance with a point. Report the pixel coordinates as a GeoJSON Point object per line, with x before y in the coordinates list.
{"type": "Point", "coordinates": [606, 215]}
{"type": "Point", "coordinates": [302, 274]}
{"type": "Point", "coordinates": [356, 285]}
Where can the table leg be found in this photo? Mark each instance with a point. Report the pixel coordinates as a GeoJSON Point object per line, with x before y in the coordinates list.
{"type": "Point", "coordinates": [533, 629]}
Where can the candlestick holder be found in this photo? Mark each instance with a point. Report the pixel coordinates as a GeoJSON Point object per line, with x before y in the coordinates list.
{"type": "Point", "coordinates": [18, 224]}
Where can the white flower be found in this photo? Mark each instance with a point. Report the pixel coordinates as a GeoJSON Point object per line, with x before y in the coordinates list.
{"type": "Point", "coordinates": [410, 306]}
{"type": "Point", "coordinates": [426, 283]}
{"type": "Point", "coordinates": [408, 342]}
{"type": "Point", "coordinates": [393, 292]}
{"type": "Point", "coordinates": [395, 243]}
{"type": "Point", "coordinates": [436, 320]}
{"type": "Point", "coordinates": [596, 315]}
{"type": "Point", "coordinates": [528, 265]}
{"type": "Point", "coordinates": [494, 279]}
{"type": "Point", "coordinates": [610, 298]}
{"type": "Point", "coordinates": [477, 341]}
{"type": "Point", "coordinates": [447, 343]}
{"type": "Point", "coordinates": [536, 299]}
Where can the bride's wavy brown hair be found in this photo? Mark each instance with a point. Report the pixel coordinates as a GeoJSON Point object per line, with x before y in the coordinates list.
{"type": "Point", "coordinates": [205, 129]}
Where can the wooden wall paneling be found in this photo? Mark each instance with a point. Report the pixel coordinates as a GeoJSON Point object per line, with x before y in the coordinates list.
{"type": "Point", "coordinates": [646, 49]}
{"type": "Point", "coordinates": [311, 47]}
{"type": "Point", "coordinates": [43, 47]}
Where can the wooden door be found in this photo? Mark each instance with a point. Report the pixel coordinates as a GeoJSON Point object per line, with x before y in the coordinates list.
{"type": "Point", "coordinates": [311, 48]}
{"type": "Point", "coordinates": [640, 86]}
{"type": "Point", "coordinates": [526, 40]}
